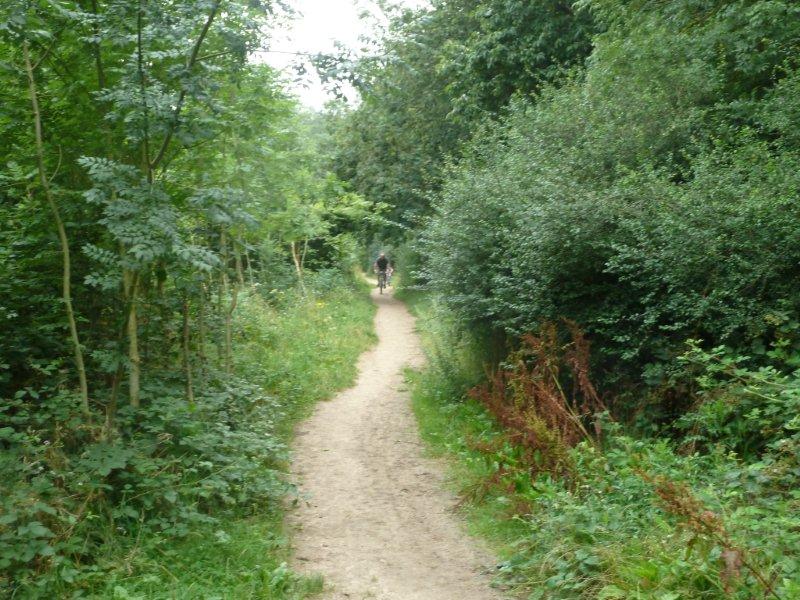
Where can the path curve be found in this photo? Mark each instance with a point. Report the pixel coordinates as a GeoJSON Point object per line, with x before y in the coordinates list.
{"type": "Point", "coordinates": [374, 518]}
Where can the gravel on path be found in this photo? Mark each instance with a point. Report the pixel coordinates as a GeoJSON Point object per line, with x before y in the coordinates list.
{"type": "Point", "coordinates": [374, 517]}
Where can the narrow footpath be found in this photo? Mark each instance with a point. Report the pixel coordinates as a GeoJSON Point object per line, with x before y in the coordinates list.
{"type": "Point", "coordinates": [374, 518]}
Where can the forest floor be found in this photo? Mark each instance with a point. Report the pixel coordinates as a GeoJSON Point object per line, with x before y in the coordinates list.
{"type": "Point", "coordinates": [374, 517]}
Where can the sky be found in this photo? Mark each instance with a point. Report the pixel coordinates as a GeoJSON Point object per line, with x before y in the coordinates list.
{"type": "Point", "coordinates": [317, 25]}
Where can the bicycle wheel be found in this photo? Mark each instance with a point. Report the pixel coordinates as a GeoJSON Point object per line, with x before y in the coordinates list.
{"type": "Point", "coordinates": [381, 281]}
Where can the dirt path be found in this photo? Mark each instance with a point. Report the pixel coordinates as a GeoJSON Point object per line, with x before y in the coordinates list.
{"type": "Point", "coordinates": [376, 521]}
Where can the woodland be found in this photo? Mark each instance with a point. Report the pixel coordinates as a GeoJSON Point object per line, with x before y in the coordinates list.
{"type": "Point", "coordinates": [593, 207]}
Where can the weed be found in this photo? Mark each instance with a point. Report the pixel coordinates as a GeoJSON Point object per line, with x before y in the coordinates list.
{"type": "Point", "coordinates": [678, 500]}
{"type": "Point", "coordinates": [528, 399]}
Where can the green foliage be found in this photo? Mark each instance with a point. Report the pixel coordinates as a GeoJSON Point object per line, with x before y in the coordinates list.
{"type": "Point", "coordinates": [434, 75]}
{"type": "Point", "coordinates": [744, 410]}
{"type": "Point", "coordinates": [453, 354]}
{"type": "Point", "coordinates": [647, 211]}
{"type": "Point", "coordinates": [513, 49]}
{"type": "Point", "coordinates": [68, 489]}
{"type": "Point", "coordinates": [160, 182]}
{"type": "Point", "coordinates": [618, 526]}
{"type": "Point", "coordinates": [240, 559]}
{"type": "Point", "coordinates": [647, 192]}
{"type": "Point", "coordinates": [174, 477]}
{"type": "Point", "coordinates": [305, 350]}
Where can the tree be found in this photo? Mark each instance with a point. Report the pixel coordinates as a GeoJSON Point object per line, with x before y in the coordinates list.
{"type": "Point", "coordinates": [433, 78]}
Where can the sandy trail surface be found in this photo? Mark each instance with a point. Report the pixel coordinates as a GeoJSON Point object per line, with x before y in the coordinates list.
{"type": "Point", "coordinates": [374, 518]}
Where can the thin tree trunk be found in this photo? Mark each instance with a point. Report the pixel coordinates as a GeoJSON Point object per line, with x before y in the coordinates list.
{"type": "Point", "coordinates": [250, 275]}
{"type": "Point", "coordinates": [243, 182]}
{"type": "Point", "coordinates": [229, 330]}
{"type": "Point", "coordinates": [98, 57]}
{"type": "Point", "coordinates": [66, 285]}
{"type": "Point", "coordinates": [298, 267]}
{"type": "Point", "coordinates": [201, 333]}
{"type": "Point", "coordinates": [182, 95]}
{"type": "Point", "coordinates": [239, 271]}
{"type": "Point", "coordinates": [222, 290]}
{"type": "Point", "coordinates": [232, 305]}
{"type": "Point", "coordinates": [146, 167]}
{"type": "Point", "coordinates": [131, 280]}
{"type": "Point", "coordinates": [134, 379]}
{"type": "Point", "coordinates": [111, 407]}
{"type": "Point", "coordinates": [223, 296]}
{"type": "Point", "coordinates": [187, 365]}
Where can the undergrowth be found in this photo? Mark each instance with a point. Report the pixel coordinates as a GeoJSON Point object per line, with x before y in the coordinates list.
{"type": "Point", "coordinates": [618, 517]}
{"type": "Point", "coordinates": [181, 501]}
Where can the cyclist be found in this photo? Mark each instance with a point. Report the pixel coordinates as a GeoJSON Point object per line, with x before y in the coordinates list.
{"type": "Point", "coordinates": [381, 266]}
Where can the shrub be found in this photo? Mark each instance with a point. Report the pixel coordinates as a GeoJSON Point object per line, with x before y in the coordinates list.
{"type": "Point", "coordinates": [84, 505]}
{"type": "Point", "coordinates": [745, 410]}
{"type": "Point", "coordinates": [70, 489]}
{"type": "Point", "coordinates": [527, 397]}
{"type": "Point", "coordinates": [649, 198]}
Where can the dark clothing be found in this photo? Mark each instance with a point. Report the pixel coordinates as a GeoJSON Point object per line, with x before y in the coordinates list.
{"type": "Point", "coordinates": [382, 263]}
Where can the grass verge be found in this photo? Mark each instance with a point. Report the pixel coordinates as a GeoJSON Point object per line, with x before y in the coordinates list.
{"type": "Point", "coordinates": [457, 428]}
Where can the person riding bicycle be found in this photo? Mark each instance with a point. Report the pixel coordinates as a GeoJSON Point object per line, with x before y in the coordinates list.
{"type": "Point", "coordinates": [381, 266]}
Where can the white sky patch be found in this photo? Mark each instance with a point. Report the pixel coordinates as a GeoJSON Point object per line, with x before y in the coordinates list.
{"type": "Point", "coordinates": [316, 27]}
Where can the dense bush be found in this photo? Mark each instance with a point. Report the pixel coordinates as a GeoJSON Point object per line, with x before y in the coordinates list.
{"type": "Point", "coordinates": [648, 194]}
{"type": "Point", "coordinates": [645, 522]}
{"type": "Point", "coordinates": [436, 73]}
{"type": "Point", "coordinates": [69, 487]}
{"type": "Point", "coordinates": [650, 198]}
{"type": "Point", "coordinates": [744, 411]}
{"type": "Point", "coordinates": [153, 181]}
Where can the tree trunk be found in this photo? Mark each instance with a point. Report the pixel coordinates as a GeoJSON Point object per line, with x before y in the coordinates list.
{"type": "Point", "coordinates": [131, 282]}
{"type": "Point", "coordinates": [201, 333]}
{"type": "Point", "coordinates": [66, 285]}
{"type": "Point", "coordinates": [219, 341]}
{"type": "Point", "coordinates": [229, 330]}
{"type": "Point", "coordinates": [298, 266]}
{"type": "Point", "coordinates": [251, 278]}
{"type": "Point", "coordinates": [98, 57]}
{"type": "Point", "coordinates": [228, 353]}
{"type": "Point", "coordinates": [182, 95]}
{"type": "Point", "coordinates": [146, 167]}
{"type": "Point", "coordinates": [187, 365]}
{"type": "Point", "coordinates": [239, 271]}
